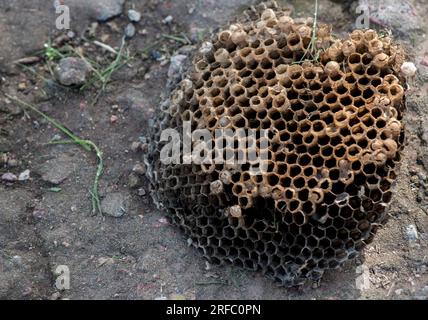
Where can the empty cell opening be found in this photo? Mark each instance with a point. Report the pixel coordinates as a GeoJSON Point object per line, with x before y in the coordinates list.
{"type": "Point", "coordinates": [255, 44]}
{"type": "Point", "coordinates": [318, 126]}
{"type": "Point", "coordinates": [341, 89]}
{"type": "Point", "coordinates": [368, 93]}
{"type": "Point", "coordinates": [354, 58]}
{"type": "Point", "coordinates": [368, 121]}
{"type": "Point", "coordinates": [318, 161]}
{"type": "Point", "coordinates": [380, 123]}
{"type": "Point", "coordinates": [295, 170]}
{"type": "Point", "coordinates": [359, 69]}
{"type": "Point", "coordinates": [395, 90]}
{"type": "Point", "coordinates": [293, 39]}
{"type": "Point", "coordinates": [323, 140]}
{"type": "Point", "coordinates": [366, 58]}
{"type": "Point", "coordinates": [308, 139]}
{"type": "Point", "coordinates": [304, 160]}
{"type": "Point", "coordinates": [303, 194]}
{"type": "Point", "coordinates": [364, 81]}
{"type": "Point", "coordinates": [350, 78]}
{"type": "Point", "coordinates": [244, 73]}
{"type": "Point", "coordinates": [274, 55]}
{"type": "Point", "coordinates": [330, 163]}
{"type": "Point", "coordinates": [372, 70]}
{"type": "Point", "coordinates": [340, 151]}
{"type": "Point", "coordinates": [327, 151]}
{"type": "Point", "coordinates": [371, 134]}
{"type": "Point", "coordinates": [272, 179]}
{"type": "Point", "coordinates": [326, 88]}
{"type": "Point", "coordinates": [331, 98]}
{"type": "Point", "coordinates": [266, 64]}
{"type": "Point", "coordinates": [294, 205]}
{"type": "Point", "coordinates": [299, 182]}
{"type": "Point", "coordinates": [318, 98]}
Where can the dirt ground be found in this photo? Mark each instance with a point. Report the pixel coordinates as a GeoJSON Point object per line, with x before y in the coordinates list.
{"type": "Point", "coordinates": [47, 221]}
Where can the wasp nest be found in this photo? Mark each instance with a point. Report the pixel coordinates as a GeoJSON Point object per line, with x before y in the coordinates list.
{"type": "Point", "coordinates": [333, 112]}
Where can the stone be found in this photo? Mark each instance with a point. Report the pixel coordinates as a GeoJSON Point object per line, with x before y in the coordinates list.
{"type": "Point", "coordinates": [130, 30]}
{"type": "Point", "coordinates": [134, 15]}
{"type": "Point", "coordinates": [9, 177]}
{"type": "Point", "coordinates": [412, 233]}
{"type": "Point", "coordinates": [134, 181]}
{"type": "Point", "coordinates": [176, 66]}
{"type": "Point", "coordinates": [72, 71]}
{"type": "Point", "coordinates": [104, 10]}
{"type": "Point", "coordinates": [114, 205]}
{"type": "Point", "coordinates": [24, 175]}
{"type": "Point", "coordinates": [58, 169]}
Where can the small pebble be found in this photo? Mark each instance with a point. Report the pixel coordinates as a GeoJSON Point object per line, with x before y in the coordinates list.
{"type": "Point", "coordinates": [135, 146]}
{"type": "Point", "coordinates": [113, 119]}
{"type": "Point", "coordinates": [155, 55]}
{"type": "Point", "coordinates": [55, 296]}
{"type": "Point", "coordinates": [408, 69]}
{"type": "Point", "coordinates": [130, 30]}
{"type": "Point", "coordinates": [141, 192]}
{"type": "Point", "coordinates": [24, 175]}
{"type": "Point", "coordinates": [114, 205]}
{"type": "Point", "coordinates": [17, 260]}
{"type": "Point", "coordinates": [139, 169]}
{"type": "Point", "coordinates": [9, 177]}
{"type": "Point", "coordinates": [12, 163]}
{"type": "Point", "coordinates": [422, 176]}
{"type": "Point", "coordinates": [134, 15]}
{"type": "Point", "coordinates": [411, 233]}
{"type": "Point", "coordinates": [134, 181]}
{"type": "Point", "coordinates": [3, 158]}
{"type": "Point", "coordinates": [167, 20]}
{"type": "Point", "coordinates": [22, 86]}
{"type": "Point", "coordinates": [72, 71]}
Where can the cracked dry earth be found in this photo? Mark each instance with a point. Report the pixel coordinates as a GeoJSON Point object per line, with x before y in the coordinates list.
{"type": "Point", "coordinates": [132, 252]}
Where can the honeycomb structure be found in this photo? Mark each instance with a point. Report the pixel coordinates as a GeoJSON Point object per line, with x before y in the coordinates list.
{"type": "Point", "coordinates": [335, 135]}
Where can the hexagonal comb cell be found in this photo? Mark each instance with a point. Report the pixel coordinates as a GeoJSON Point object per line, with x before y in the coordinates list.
{"type": "Point", "coordinates": [335, 136]}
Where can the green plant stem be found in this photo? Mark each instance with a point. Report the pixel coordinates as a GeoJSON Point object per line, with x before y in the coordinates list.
{"type": "Point", "coordinates": [88, 145]}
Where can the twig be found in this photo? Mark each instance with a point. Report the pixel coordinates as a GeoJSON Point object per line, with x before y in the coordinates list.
{"type": "Point", "coordinates": [105, 46]}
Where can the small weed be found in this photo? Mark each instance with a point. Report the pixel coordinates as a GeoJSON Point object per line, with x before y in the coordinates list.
{"type": "Point", "coordinates": [88, 145]}
{"type": "Point", "coordinates": [51, 53]}
{"type": "Point", "coordinates": [103, 75]}
{"type": "Point", "coordinates": [312, 53]}
{"type": "Point", "coordinates": [182, 38]}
